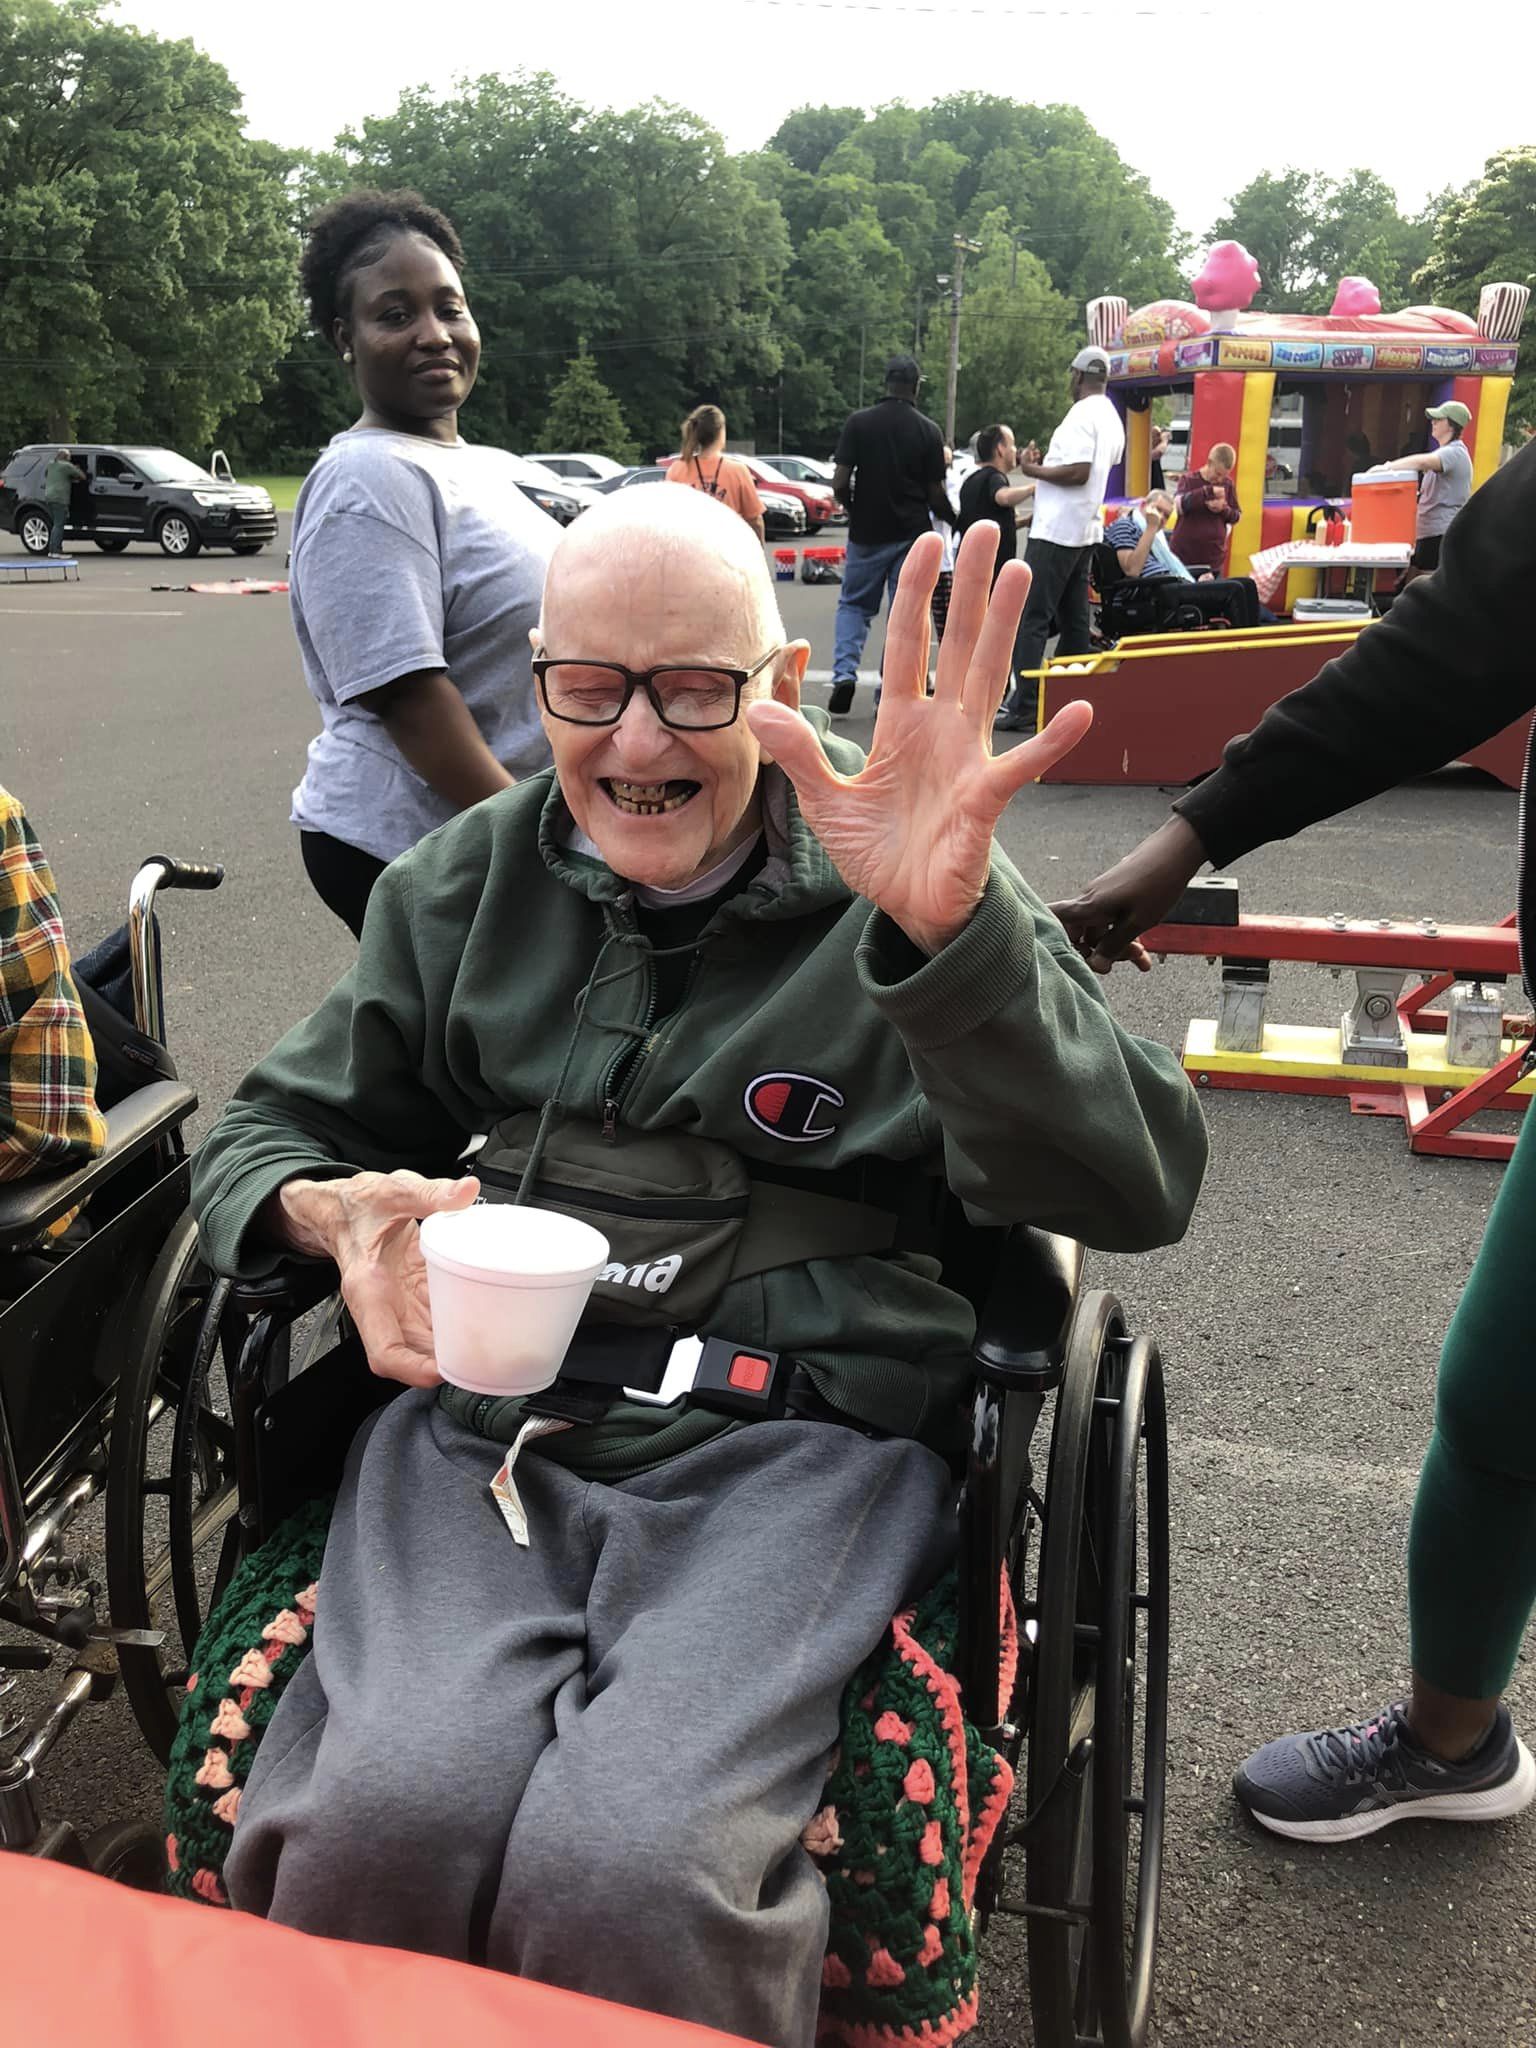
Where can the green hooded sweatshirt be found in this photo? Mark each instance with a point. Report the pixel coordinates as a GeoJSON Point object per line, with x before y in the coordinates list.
{"type": "Point", "coordinates": [996, 1064]}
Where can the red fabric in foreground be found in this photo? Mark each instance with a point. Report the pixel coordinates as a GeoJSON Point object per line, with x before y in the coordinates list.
{"type": "Point", "coordinates": [87, 1962]}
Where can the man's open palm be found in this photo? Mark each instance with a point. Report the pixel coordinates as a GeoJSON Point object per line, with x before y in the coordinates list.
{"type": "Point", "coordinates": [912, 832]}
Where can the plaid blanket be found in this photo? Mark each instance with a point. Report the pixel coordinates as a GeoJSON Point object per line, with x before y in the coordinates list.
{"type": "Point", "coordinates": [49, 1121]}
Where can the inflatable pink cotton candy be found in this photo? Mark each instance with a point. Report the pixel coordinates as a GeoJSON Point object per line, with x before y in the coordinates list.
{"type": "Point", "coordinates": [1354, 296]}
{"type": "Point", "coordinates": [1229, 280]}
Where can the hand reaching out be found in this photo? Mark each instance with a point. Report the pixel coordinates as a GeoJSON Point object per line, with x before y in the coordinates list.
{"type": "Point", "coordinates": [912, 831]}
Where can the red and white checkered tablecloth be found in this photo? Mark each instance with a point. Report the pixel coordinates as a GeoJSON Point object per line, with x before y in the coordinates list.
{"type": "Point", "coordinates": [1270, 567]}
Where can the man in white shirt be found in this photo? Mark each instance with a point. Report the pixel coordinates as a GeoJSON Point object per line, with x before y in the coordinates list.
{"type": "Point", "coordinates": [1069, 505]}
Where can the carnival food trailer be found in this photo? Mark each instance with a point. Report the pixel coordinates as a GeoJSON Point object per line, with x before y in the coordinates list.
{"type": "Point", "coordinates": [1359, 379]}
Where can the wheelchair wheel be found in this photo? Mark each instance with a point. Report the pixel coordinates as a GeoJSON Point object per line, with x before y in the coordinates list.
{"type": "Point", "coordinates": [171, 1527]}
{"type": "Point", "coordinates": [130, 1852]}
{"type": "Point", "coordinates": [1098, 1698]}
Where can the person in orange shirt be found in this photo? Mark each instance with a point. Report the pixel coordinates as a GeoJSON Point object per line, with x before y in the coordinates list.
{"type": "Point", "coordinates": [705, 466]}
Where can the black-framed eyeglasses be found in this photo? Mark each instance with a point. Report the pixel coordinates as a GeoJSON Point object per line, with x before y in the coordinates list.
{"type": "Point", "coordinates": [695, 698]}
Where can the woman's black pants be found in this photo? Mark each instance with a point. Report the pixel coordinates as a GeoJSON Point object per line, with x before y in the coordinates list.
{"type": "Point", "coordinates": [343, 876]}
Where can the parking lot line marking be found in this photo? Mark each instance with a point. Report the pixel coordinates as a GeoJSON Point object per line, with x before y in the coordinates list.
{"type": "Point", "coordinates": [1296, 1471]}
{"type": "Point", "coordinates": [27, 611]}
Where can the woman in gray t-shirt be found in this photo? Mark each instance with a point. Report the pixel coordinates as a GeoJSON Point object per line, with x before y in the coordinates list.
{"type": "Point", "coordinates": [417, 563]}
{"type": "Point", "coordinates": [1445, 484]}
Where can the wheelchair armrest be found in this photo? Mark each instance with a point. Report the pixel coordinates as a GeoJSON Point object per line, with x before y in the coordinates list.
{"type": "Point", "coordinates": [27, 1207]}
{"type": "Point", "coordinates": [297, 1286]}
{"type": "Point", "coordinates": [1021, 1333]}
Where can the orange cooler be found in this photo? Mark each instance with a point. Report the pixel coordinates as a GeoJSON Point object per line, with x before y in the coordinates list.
{"type": "Point", "coordinates": [1384, 506]}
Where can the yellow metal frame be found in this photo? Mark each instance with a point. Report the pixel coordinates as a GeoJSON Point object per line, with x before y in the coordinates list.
{"type": "Point", "coordinates": [1138, 452]}
{"type": "Point", "coordinates": [1310, 1052]}
{"type": "Point", "coordinates": [1160, 646]}
{"type": "Point", "coordinates": [1252, 457]}
{"type": "Point", "coordinates": [1492, 406]}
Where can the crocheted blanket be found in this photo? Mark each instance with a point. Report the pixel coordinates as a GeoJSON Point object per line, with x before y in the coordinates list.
{"type": "Point", "coordinates": [909, 1810]}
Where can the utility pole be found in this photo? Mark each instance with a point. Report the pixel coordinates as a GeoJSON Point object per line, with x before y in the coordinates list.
{"type": "Point", "coordinates": [963, 248]}
{"type": "Point", "coordinates": [1018, 241]}
{"type": "Point", "coordinates": [863, 333]}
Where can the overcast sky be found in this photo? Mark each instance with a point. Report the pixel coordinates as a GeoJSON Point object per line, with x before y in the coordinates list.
{"type": "Point", "coordinates": [1200, 97]}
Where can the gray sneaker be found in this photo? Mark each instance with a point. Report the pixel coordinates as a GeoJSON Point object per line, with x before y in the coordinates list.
{"type": "Point", "coordinates": [1337, 1783]}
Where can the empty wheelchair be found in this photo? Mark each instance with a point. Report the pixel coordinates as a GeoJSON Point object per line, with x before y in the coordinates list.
{"type": "Point", "coordinates": [1075, 1514]}
{"type": "Point", "coordinates": [105, 1392]}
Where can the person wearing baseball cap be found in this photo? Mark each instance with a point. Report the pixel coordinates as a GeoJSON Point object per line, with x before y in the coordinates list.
{"type": "Point", "coordinates": [1445, 473]}
{"type": "Point", "coordinates": [1068, 520]}
{"type": "Point", "coordinates": [889, 471]}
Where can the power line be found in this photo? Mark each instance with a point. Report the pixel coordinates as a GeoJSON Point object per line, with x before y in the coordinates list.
{"type": "Point", "coordinates": [966, 7]}
{"type": "Point", "coordinates": [500, 355]}
{"type": "Point", "coordinates": [557, 265]}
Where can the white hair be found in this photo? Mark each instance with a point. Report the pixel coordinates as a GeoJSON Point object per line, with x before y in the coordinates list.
{"type": "Point", "coordinates": [651, 524]}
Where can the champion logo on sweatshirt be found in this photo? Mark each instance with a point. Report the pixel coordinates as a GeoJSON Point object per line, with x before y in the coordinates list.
{"type": "Point", "coordinates": [793, 1107]}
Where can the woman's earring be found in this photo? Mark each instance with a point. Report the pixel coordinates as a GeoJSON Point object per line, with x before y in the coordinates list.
{"type": "Point", "coordinates": [346, 355]}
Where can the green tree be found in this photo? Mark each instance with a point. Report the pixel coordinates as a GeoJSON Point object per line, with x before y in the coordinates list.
{"type": "Point", "coordinates": [1017, 336]}
{"type": "Point", "coordinates": [146, 256]}
{"type": "Point", "coordinates": [583, 413]}
{"type": "Point", "coordinates": [1272, 218]}
{"type": "Point", "coordinates": [1487, 235]}
{"type": "Point", "coordinates": [634, 229]}
{"type": "Point", "coordinates": [1306, 231]}
{"type": "Point", "coordinates": [808, 136]}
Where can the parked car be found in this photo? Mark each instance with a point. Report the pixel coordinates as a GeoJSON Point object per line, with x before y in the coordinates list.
{"type": "Point", "coordinates": [135, 494]}
{"type": "Point", "coordinates": [563, 501]}
{"type": "Point", "coordinates": [581, 468]}
{"type": "Point", "coordinates": [820, 505]}
{"type": "Point", "coordinates": [805, 469]}
{"type": "Point", "coordinates": [782, 513]}
{"type": "Point", "coordinates": [641, 473]}
{"type": "Point", "coordinates": [801, 469]}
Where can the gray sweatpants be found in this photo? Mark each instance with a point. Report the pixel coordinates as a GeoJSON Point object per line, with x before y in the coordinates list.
{"type": "Point", "coordinates": [587, 1762]}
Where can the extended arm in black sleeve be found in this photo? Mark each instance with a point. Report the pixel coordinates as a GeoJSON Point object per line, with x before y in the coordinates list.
{"type": "Point", "coordinates": [1449, 666]}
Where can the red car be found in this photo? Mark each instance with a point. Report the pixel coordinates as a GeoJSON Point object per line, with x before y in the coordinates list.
{"type": "Point", "coordinates": [820, 505]}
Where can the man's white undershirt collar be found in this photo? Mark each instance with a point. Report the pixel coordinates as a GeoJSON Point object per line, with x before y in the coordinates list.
{"type": "Point", "coordinates": [708, 884]}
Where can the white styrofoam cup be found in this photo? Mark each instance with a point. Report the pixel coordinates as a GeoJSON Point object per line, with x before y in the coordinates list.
{"type": "Point", "coordinates": [507, 1285]}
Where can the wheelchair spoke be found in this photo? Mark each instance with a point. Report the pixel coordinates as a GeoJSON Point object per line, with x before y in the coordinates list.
{"type": "Point", "coordinates": [211, 1517]}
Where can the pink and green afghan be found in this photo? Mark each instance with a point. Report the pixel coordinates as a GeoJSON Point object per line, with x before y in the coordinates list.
{"type": "Point", "coordinates": [907, 1815]}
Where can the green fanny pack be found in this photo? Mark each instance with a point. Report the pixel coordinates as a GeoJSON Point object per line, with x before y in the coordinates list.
{"type": "Point", "coordinates": [684, 1216]}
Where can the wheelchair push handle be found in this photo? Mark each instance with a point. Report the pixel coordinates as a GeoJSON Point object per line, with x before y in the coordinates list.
{"type": "Point", "coordinates": [186, 874]}
{"type": "Point", "coordinates": [159, 871]}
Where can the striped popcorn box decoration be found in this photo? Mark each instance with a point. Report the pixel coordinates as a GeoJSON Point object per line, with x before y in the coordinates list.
{"type": "Point", "coordinates": [1500, 310]}
{"type": "Point", "coordinates": [1106, 322]}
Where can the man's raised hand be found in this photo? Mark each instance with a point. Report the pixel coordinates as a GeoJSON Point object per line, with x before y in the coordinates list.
{"type": "Point", "coordinates": [912, 831]}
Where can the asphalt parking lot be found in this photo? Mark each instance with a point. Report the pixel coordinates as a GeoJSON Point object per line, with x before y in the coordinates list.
{"type": "Point", "coordinates": [1300, 1319]}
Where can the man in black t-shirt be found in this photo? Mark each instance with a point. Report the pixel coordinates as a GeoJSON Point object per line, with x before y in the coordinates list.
{"type": "Point", "coordinates": [890, 474]}
{"type": "Point", "coordinates": [987, 493]}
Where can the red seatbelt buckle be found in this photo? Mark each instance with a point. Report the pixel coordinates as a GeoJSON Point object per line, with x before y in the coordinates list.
{"type": "Point", "coordinates": [739, 1379]}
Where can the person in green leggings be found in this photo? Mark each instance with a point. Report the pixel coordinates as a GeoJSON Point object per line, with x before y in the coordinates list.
{"type": "Point", "coordinates": [1449, 667]}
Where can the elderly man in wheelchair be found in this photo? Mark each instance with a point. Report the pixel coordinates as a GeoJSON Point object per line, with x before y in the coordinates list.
{"type": "Point", "coordinates": [743, 998]}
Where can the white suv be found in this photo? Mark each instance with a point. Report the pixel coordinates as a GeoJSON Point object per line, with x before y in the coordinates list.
{"type": "Point", "coordinates": [581, 469]}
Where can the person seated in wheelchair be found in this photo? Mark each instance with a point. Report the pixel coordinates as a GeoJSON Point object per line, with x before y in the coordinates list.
{"type": "Point", "coordinates": [714, 961]}
{"type": "Point", "coordinates": [1145, 557]}
{"type": "Point", "coordinates": [49, 1119]}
